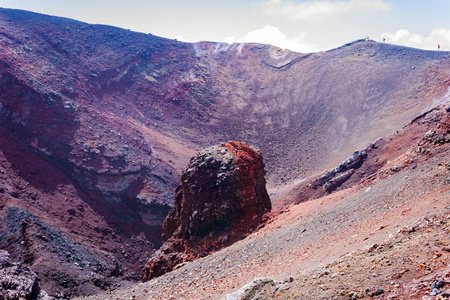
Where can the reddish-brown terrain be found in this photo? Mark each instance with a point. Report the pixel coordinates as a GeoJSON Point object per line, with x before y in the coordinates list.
{"type": "Point", "coordinates": [386, 237]}
{"type": "Point", "coordinates": [97, 123]}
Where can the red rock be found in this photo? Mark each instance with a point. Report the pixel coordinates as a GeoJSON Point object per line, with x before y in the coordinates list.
{"type": "Point", "coordinates": [222, 197]}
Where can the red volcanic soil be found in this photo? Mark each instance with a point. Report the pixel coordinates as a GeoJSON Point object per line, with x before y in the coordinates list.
{"type": "Point", "coordinates": [378, 160]}
{"type": "Point", "coordinates": [389, 231]}
{"type": "Point", "coordinates": [97, 124]}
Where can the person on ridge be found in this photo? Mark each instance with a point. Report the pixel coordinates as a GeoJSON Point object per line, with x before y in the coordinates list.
{"type": "Point", "coordinates": [439, 47]}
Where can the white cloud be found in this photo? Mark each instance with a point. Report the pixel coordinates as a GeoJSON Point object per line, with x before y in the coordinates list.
{"type": "Point", "coordinates": [438, 35]}
{"type": "Point", "coordinates": [316, 9]}
{"type": "Point", "coordinates": [273, 36]}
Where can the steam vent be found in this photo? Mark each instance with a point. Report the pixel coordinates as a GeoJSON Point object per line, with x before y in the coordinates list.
{"type": "Point", "coordinates": [221, 199]}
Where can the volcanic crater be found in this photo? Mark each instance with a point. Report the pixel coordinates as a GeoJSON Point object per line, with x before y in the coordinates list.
{"type": "Point", "coordinates": [97, 124]}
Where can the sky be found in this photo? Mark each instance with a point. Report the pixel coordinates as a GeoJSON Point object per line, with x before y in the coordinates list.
{"type": "Point", "coordinates": [298, 25]}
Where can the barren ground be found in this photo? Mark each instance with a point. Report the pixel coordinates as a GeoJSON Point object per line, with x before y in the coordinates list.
{"type": "Point", "coordinates": [97, 124]}
{"type": "Point", "coordinates": [385, 232]}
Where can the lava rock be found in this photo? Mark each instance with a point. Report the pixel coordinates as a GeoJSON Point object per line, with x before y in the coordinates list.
{"type": "Point", "coordinates": [5, 260]}
{"type": "Point", "coordinates": [18, 281]}
{"type": "Point", "coordinates": [435, 292]}
{"type": "Point", "coordinates": [446, 294]}
{"type": "Point", "coordinates": [222, 198]}
{"type": "Point", "coordinates": [254, 289]}
{"type": "Point", "coordinates": [335, 177]}
{"type": "Point", "coordinates": [378, 292]}
{"type": "Point", "coordinates": [438, 284]}
{"type": "Point", "coordinates": [337, 181]}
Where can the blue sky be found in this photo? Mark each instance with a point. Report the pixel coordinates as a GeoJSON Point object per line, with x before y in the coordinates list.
{"type": "Point", "coordinates": [304, 26]}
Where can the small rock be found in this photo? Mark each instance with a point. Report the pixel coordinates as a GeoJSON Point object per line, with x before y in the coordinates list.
{"type": "Point", "coordinates": [281, 287]}
{"type": "Point", "coordinates": [438, 284]}
{"type": "Point", "coordinates": [378, 292]}
{"type": "Point", "coordinates": [256, 286]}
{"type": "Point", "coordinates": [394, 168]}
{"type": "Point", "coordinates": [430, 133]}
{"type": "Point", "coordinates": [435, 292]}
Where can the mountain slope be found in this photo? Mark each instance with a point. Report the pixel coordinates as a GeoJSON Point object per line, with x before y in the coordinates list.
{"type": "Point", "coordinates": [97, 123]}
{"type": "Point", "coordinates": [388, 231]}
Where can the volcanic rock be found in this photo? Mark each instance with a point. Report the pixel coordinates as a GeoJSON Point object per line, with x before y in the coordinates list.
{"type": "Point", "coordinates": [222, 197]}
{"type": "Point", "coordinates": [257, 287]}
{"type": "Point", "coordinates": [342, 172]}
{"type": "Point", "coordinates": [18, 281]}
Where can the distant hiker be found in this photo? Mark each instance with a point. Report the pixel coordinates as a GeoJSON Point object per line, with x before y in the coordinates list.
{"type": "Point", "coordinates": [439, 47]}
{"type": "Point", "coordinates": [384, 40]}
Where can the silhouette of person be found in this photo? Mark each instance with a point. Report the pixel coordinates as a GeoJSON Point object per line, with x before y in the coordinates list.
{"type": "Point", "coordinates": [384, 40]}
{"type": "Point", "coordinates": [439, 47]}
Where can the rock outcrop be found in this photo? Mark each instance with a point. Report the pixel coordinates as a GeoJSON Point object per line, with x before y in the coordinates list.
{"type": "Point", "coordinates": [17, 281]}
{"type": "Point", "coordinates": [222, 197]}
{"type": "Point", "coordinates": [256, 289]}
{"type": "Point", "coordinates": [343, 171]}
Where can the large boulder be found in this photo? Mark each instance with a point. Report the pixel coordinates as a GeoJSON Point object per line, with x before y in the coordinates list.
{"type": "Point", "coordinates": [222, 197]}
